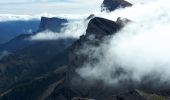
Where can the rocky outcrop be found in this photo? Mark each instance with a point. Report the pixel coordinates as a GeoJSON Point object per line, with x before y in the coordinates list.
{"type": "Point", "coordinates": [51, 24]}
{"type": "Point", "coordinates": [112, 5]}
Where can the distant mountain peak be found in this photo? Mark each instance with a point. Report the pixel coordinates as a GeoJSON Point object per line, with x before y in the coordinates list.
{"type": "Point", "coordinates": [102, 26]}
{"type": "Point", "coordinates": [112, 5]}
{"type": "Point", "coordinates": [53, 24]}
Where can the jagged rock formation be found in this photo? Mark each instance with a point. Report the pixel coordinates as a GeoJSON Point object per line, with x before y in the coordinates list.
{"type": "Point", "coordinates": [51, 24]}
{"type": "Point", "coordinates": [112, 5]}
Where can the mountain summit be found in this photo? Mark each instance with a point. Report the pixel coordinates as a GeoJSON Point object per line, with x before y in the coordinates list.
{"type": "Point", "coordinates": [51, 24]}
{"type": "Point", "coordinates": [112, 5]}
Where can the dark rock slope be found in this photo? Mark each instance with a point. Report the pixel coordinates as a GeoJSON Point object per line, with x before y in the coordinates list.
{"type": "Point", "coordinates": [112, 5]}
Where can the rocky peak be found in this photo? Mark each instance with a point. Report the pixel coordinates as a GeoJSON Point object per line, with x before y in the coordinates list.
{"type": "Point", "coordinates": [112, 5]}
{"type": "Point", "coordinates": [101, 26]}
{"type": "Point", "coordinates": [53, 24]}
{"type": "Point", "coordinates": [98, 28]}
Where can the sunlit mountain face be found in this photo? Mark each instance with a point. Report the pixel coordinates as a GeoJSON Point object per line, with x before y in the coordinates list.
{"type": "Point", "coordinates": [84, 50]}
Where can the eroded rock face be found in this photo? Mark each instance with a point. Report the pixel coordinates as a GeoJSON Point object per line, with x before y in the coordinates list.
{"type": "Point", "coordinates": [112, 5]}
{"type": "Point", "coordinates": [51, 24]}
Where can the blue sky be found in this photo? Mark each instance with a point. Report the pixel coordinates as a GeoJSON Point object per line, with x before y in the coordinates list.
{"type": "Point", "coordinates": [33, 7]}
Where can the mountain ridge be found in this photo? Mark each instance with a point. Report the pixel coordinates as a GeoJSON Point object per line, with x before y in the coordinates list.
{"type": "Point", "coordinates": [47, 70]}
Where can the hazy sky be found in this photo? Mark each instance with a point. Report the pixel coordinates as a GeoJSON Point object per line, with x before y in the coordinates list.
{"type": "Point", "coordinates": [33, 7]}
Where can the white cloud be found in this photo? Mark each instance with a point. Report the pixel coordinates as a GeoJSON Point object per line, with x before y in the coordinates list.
{"type": "Point", "coordinates": [140, 49]}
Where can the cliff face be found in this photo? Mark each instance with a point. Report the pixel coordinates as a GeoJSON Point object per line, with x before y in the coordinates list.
{"type": "Point", "coordinates": [51, 24]}
{"type": "Point", "coordinates": [112, 5]}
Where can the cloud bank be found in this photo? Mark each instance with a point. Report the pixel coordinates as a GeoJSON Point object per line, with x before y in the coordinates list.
{"type": "Point", "coordinates": [139, 51]}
